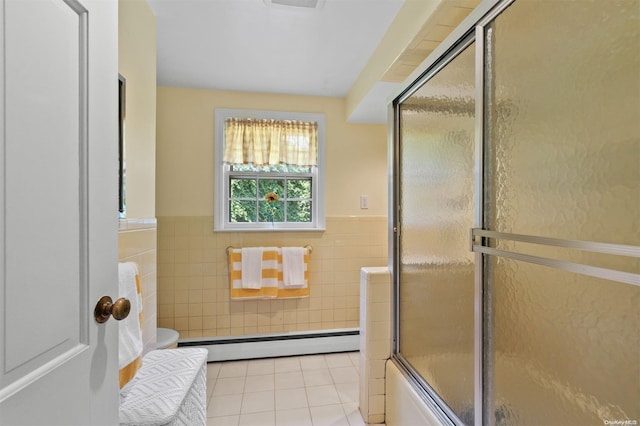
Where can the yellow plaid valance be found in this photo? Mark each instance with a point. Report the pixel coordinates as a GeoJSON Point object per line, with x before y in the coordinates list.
{"type": "Point", "coordinates": [271, 142]}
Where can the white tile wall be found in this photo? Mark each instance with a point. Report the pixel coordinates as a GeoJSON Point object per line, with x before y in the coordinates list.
{"type": "Point", "coordinates": [193, 277]}
{"type": "Point", "coordinates": [403, 405]}
{"type": "Point", "coordinates": [375, 340]}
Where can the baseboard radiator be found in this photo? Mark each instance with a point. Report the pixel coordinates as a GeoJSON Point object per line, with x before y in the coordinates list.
{"type": "Point", "coordinates": [277, 345]}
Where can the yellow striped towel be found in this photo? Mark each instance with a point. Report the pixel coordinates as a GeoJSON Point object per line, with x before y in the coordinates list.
{"type": "Point", "coordinates": [269, 285]}
{"type": "Point", "coordinates": [130, 345]}
{"type": "Point", "coordinates": [272, 277]}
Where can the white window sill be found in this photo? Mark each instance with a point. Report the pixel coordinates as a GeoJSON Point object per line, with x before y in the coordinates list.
{"type": "Point", "coordinates": [271, 230]}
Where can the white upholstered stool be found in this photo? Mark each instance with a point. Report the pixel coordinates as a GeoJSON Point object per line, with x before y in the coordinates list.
{"type": "Point", "coordinates": [169, 389]}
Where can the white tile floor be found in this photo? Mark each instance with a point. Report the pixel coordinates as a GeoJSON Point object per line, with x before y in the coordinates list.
{"type": "Point", "coordinates": [314, 390]}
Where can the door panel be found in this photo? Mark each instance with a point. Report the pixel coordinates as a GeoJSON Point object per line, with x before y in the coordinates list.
{"type": "Point", "coordinates": [59, 246]}
{"type": "Point", "coordinates": [565, 120]}
{"type": "Point", "coordinates": [42, 158]}
{"type": "Point", "coordinates": [436, 290]}
{"type": "Point", "coordinates": [565, 164]}
{"type": "Point", "coordinates": [562, 347]}
{"type": "Point", "coordinates": [556, 248]}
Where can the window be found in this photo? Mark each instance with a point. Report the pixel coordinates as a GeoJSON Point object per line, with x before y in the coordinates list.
{"type": "Point", "coordinates": [272, 185]}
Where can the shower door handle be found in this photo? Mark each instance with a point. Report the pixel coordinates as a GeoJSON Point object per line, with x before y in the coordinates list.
{"type": "Point", "coordinates": [106, 308]}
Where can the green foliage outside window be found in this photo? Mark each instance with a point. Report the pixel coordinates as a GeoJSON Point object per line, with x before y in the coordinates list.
{"type": "Point", "coordinates": [250, 185]}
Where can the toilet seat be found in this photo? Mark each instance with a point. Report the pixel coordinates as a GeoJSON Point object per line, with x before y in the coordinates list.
{"type": "Point", "coordinates": [167, 338]}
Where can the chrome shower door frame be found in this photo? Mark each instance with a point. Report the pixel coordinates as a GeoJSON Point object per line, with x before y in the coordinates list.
{"type": "Point", "coordinates": [472, 29]}
{"type": "Point", "coordinates": [482, 241]}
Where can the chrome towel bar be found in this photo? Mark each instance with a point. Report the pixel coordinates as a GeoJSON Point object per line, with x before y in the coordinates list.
{"type": "Point", "coordinates": [308, 247]}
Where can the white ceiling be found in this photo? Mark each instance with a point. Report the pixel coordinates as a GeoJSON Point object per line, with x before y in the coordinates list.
{"type": "Point", "coordinates": [247, 45]}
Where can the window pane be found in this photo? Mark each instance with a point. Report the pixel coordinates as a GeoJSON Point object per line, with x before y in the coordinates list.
{"type": "Point", "coordinates": [242, 211]}
{"type": "Point", "coordinates": [299, 188]}
{"type": "Point", "coordinates": [296, 169]}
{"type": "Point", "coordinates": [280, 168]}
{"type": "Point", "coordinates": [243, 188]}
{"type": "Point", "coordinates": [436, 289]}
{"type": "Point", "coordinates": [298, 211]}
{"type": "Point", "coordinates": [235, 181]}
{"type": "Point", "coordinates": [271, 212]}
{"type": "Point", "coordinates": [270, 185]}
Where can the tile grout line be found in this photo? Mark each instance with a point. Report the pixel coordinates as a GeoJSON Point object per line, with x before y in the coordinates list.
{"type": "Point", "coordinates": [310, 367]}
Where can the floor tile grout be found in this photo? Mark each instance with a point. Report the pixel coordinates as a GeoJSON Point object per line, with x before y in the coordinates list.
{"type": "Point", "coordinates": [328, 395]}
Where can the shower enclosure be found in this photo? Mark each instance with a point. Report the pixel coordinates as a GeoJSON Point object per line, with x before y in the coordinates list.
{"type": "Point", "coordinates": [516, 217]}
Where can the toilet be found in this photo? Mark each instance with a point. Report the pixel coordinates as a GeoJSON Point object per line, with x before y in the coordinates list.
{"type": "Point", "coordinates": [167, 338]}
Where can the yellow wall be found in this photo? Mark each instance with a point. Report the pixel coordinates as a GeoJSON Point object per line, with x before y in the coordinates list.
{"type": "Point", "coordinates": [356, 154]}
{"type": "Point", "coordinates": [137, 239]}
{"type": "Point", "coordinates": [399, 35]}
{"type": "Point", "coordinates": [137, 63]}
{"type": "Point", "coordinates": [193, 285]}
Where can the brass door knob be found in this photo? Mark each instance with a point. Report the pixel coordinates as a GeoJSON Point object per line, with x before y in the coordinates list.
{"type": "Point", "coordinates": [106, 307]}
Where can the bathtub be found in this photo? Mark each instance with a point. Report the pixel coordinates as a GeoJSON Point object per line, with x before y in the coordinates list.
{"type": "Point", "coordinates": [526, 395]}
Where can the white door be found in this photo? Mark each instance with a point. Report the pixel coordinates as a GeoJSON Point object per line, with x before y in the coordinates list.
{"type": "Point", "coordinates": [58, 218]}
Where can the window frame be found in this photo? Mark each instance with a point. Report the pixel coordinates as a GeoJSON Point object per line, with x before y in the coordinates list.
{"type": "Point", "coordinates": [222, 174]}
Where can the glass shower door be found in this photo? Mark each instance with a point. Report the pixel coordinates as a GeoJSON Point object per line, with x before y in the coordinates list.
{"type": "Point", "coordinates": [436, 292]}
{"type": "Point", "coordinates": [563, 122]}
{"type": "Point", "coordinates": [544, 151]}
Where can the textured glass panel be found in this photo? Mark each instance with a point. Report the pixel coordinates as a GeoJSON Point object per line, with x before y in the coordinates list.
{"type": "Point", "coordinates": [437, 206]}
{"type": "Point", "coordinates": [564, 347]}
{"type": "Point", "coordinates": [565, 120]}
{"type": "Point", "coordinates": [564, 162]}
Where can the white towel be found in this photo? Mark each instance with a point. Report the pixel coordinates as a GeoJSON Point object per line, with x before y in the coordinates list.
{"type": "Point", "coordinates": [129, 332]}
{"type": "Point", "coordinates": [252, 267]}
{"type": "Point", "coordinates": [293, 266]}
